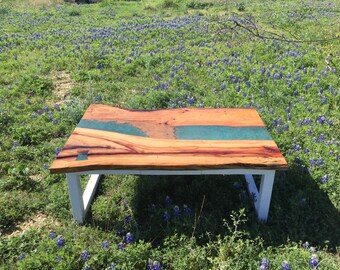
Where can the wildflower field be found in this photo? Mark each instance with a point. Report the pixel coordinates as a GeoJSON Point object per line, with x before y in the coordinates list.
{"type": "Point", "coordinates": [281, 57]}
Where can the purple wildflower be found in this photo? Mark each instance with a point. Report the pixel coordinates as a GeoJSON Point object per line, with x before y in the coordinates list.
{"type": "Point", "coordinates": [166, 217]}
{"type": "Point", "coordinates": [52, 234]}
{"type": "Point", "coordinates": [186, 210]}
{"type": "Point", "coordinates": [85, 255]}
{"type": "Point", "coordinates": [167, 201]}
{"type": "Point", "coordinates": [60, 241]}
{"type": "Point", "coordinates": [155, 265]}
{"type": "Point", "coordinates": [313, 262]}
{"type": "Point", "coordinates": [129, 238]}
{"type": "Point", "coordinates": [177, 211]}
{"type": "Point", "coordinates": [285, 265]}
{"type": "Point", "coordinates": [57, 151]}
{"type": "Point", "coordinates": [264, 264]}
{"type": "Point", "coordinates": [105, 244]}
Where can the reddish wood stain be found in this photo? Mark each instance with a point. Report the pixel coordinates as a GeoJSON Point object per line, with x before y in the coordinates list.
{"type": "Point", "coordinates": [110, 150]}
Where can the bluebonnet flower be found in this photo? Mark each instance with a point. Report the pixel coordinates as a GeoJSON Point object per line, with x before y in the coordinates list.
{"type": "Point", "coordinates": [52, 234]}
{"type": "Point", "coordinates": [166, 217]}
{"type": "Point", "coordinates": [167, 201]}
{"type": "Point", "coordinates": [113, 266]}
{"type": "Point", "coordinates": [105, 244]}
{"type": "Point", "coordinates": [297, 160]}
{"type": "Point", "coordinates": [21, 256]}
{"type": "Point", "coordinates": [191, 101]}
{"type": "Point", "coordinates": [55, 121]}
{"type": "Point", "coordinates": [186, 210]}
{"type": "Point", "coordinates": [121, 246]}
{"type": "Point", "coordinates": [271, 110]}
{"type": "Point", "coordinates": [45, 167]}
{"type": "Point", "coordinates": [313, 262]}
{"type": "Point", "coordinates": [321, 138]}
{"type": "Point", "coordinates": [155, 265]}
{"type": "Point", "coordinates": [312, 162]}
{"type": "Point", "coordinates": [306, 244]}
{"type": "Point", "coordinates": [264, 264]}
{"type": "Point", "coordinates": [85, 255]}
{"type": "Point", "coordinates": [60, 241]}
{"type": "Point", "coordinates": [177, 211]}
{"type": "Point", "coordinates": [321, 119]}
{"type": "Point", "coordinates": [325, 178]}
{"type": "Point", "coordinates": [237, 185]}
{"type": "Point", "coordinates": [87, 267]}
{"type": "Point", "coordinates": [129, 238]}
{"type": "Point", "coordinates": [57, 151]}
{"type": "Point", "coordinates": [285, 265]}
{"type": "Point", "coordinates": [296, 147]}
{"type": "Point", "coordinates": [286, 127]}
{"type": "Point", "coordinates": [309, 131]}
{"type": "Point", "coordinates": [58, 259]}
{"type": "Point", "coordinates": [57, 107]}
{"type": "Point", "coordinates": [320, 161]}
{"type": "Point", "coordinates": [313, 250]}
{"type": "Point", "coordinates": [127, 220]}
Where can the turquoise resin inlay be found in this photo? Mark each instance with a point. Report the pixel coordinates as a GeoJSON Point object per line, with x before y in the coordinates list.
{"type": "Point", "coordinates": [82, 157]}
{"type": "Point", "coordinates": [112, 126]}
{"type": "Point", "coordinates": [186, 132]}
{"type": "Point", "coordinates": [221, 133]}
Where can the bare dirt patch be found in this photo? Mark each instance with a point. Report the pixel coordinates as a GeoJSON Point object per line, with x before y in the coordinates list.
{"type": "Point", "coordinates": [62, 84]}
{"type": "Point", "coordinates": [37, 221]}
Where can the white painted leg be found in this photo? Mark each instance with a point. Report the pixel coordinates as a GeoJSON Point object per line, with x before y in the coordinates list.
{"type": "Point", "coordinates": [90, 190]}
{"type": "Point", "coordinates": [265, 193]}
{"type": "Point", "coordinates": [76, 197]}
{"type": "Point", "coordinates": [252, 189]}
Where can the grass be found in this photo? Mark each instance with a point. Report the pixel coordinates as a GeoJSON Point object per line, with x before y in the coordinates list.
{"type": "Point", "coordinates": [57, 58]}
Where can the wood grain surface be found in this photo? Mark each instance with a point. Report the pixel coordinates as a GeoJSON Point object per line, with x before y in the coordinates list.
{"type": "Point", "coordinates": [153, 144]}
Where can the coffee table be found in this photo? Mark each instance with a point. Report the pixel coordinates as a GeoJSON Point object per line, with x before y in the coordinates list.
{"type": "Point", "coordinates": [188, 141]}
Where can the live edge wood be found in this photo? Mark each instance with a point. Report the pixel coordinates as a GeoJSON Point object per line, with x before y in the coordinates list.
{"type": "Point", "coordinates": [94, 149]}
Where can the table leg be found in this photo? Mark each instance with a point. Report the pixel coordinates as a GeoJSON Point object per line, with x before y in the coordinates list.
{"type": "Point", "coordinates": [265, 193]}
{"type": "Point", "coordinates": [263, 196]}
{"type": "Point", "coordinates": [80, 201]}
{"type": "Point", "coordinates": [76, 197]}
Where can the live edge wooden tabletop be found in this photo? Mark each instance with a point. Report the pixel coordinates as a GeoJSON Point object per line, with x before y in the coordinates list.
{"type": "Point", "coordinates": [110, 138]}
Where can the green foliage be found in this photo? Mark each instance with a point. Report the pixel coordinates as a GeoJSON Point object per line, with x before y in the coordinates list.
{"type": "Point", "coordinates": [74, 12]}
{"type": "Point", "coordinates": [163, 54]}
{"type": "Point", "coordinates": [198, 4]}
{"type": "Point", "coordinates": [241, 7]}
{"type": "Point", "coordinates": [169, 3]}
{"type": "Point", "coordinates": [35, 85]}
{"type": "Point", "coordinates": [4, 10]}
{"type": "Point", "coordinates": [17, 205]}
